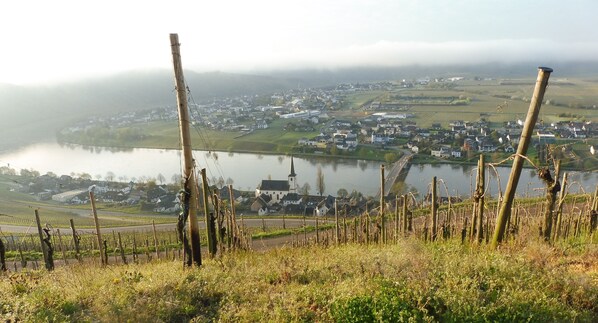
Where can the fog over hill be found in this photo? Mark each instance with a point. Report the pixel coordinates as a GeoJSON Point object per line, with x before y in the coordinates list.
{"type": "Point", "coordinates": [31, 113]}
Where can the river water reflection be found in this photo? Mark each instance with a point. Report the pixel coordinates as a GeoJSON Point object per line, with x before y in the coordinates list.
{"type": "Point", "coordinates": [247, 170]}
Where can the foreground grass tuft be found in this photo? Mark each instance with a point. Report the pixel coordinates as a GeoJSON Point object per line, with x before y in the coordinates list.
{"type": "Point", "coordinates": [409, 280]}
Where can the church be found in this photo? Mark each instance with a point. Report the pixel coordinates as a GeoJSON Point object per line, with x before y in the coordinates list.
{"type": "Point", "coordinates": [276, 190]}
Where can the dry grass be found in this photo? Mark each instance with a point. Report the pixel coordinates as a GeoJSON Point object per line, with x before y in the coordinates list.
{"type": "Point", "coordinates": [426, 281]}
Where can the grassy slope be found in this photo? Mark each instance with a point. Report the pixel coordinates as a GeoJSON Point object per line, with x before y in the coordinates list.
{"type": "Point", "coordinates": [446, 282]}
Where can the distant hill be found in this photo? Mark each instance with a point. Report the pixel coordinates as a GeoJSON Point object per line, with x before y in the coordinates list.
{"type": "Point", "coordinates": [29, 113]}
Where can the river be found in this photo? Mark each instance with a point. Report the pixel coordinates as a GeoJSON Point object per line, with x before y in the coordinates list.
{"type": "Point", "coordinates": [247, 170]}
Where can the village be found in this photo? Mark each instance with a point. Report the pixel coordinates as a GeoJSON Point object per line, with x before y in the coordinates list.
{"type": "Point", "coordinates": [385, 124]}
{"type": "Point", "coordinates": [270, 197]}
{"type": "Point", "coordinates": [310, 111]}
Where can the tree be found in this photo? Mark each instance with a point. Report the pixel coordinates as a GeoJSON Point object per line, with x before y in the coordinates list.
{"type": "Point", "coordinates": [390, 158]}
{"type": "Point", "coordinates": [220, 182]}
{"type": "Point", "coordinates": [6, 170]}
{"type": "Point", "coordinates": [320, 181]}
{"type": "Point", "coordinates": [334, 150]}
{"type": "Point", "coordinates": [109, 176]}
{"type": "Point", "coordinates": [161, 178]}
{"type": "Point", "coordinates": [29, 173]}
{"type": "Point", "coordinates": [85, 176]}
{"type": "Point", "coordinates": [176, 179]}
{"type": "Point", "coordinates": [342, 193]}
{"type": "Point", "coordinates": [151, 184]}
{"type": "Point", "coordinates": [305, 189]}
{"type": "Point", "coordinates": [229, 181]}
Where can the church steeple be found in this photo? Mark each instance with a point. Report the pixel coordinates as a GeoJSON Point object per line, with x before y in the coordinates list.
{"type": "Point", "coordinates": [292, 178]}
{"type": "Point", "coordinates": [292, 168]}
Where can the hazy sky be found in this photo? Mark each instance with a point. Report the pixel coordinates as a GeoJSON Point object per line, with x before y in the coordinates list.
{"type": "Point", "coordinates": [58, 40]}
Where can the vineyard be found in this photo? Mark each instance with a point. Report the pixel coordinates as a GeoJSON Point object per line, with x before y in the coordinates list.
{"type": "Point", "coordinates": [386, 267]}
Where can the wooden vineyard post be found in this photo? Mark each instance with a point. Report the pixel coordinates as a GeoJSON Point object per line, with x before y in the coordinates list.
{"type": "Point", "coordinates": [304, 230]}
{"type": "Point", "coordinates": [190, 186]}
{"type": "Point", "coordinates": [233, 231]}
{"type": "Point", "coordinates": [46, 245]}
{"type": "Point", "coordinates": [210, 229]}
{"type": "Point", "coordinates": [464, 231]}
{"type": "Point", "coordinates": [434, 211]}
{"type": "Point", "coordinates": [594, 212]}
{"type": "Point", "coordinates": [104, 260]}
{"type": "Point", "coordinates": [396, 235]}
{"type": "Point", "coordinates": [552, 188]}
{"type": "Point", "coordinates": [480, 190]}
{"type": "Point", "coordinates": [559, 210]}
{"type": "Point", "coordinates": [345, 229]}
{"type": "Point", "coordinates": [404, 219]}
{"type": "Point", "coordinates": [317, 229]}
{"type": "Point", "coordinates": [61, 246]}
{"type": "Point", "coordinates": [122, 251]}
{"type": "Point", "coordinates": [3, 256]}
{"type": "Point", "coordinates": [219, 222]}
{"type": "Point", "coordinates": [382, 205]}
{"type": "Point", "coordinates": [525, 140]}
{"type": "Point", "coordinates": [337, 228]}
{"type": "Point", "coordinates": [367, 227]}
{"type": "Point", "coordinates": [76, 240]}
{"type": "Point", "coordinates": [134, 251]}
{"type": "Point", "coordinates": [155, 240]}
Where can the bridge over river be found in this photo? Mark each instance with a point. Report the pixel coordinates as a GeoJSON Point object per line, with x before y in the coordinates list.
{"type": "Point", "coordinates": [393, 172]}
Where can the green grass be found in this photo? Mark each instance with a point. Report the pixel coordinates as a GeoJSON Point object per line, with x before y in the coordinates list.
{"type": "Point", "coordinates": [409, 280]}
{"type": "Point", "coordinates": [19, 209]}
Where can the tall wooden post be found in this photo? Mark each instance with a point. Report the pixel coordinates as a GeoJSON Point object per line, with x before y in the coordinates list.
{"type": "Point", "coordinates": [211, 235]}
{"type": "Point", "coordinates": [188, 174]}
{"type": "Point", "coordinates": [103, 259]}
{"type": "Point", "coordinates": [434, 210]}
{"type": "Point", "coordinates": [552, 188]}
{"type": "Point", "coordinates": [47, 258]}
{"type": "Point", "coordinates": [234, 229]}
{"type": "Point", "coordinates": [76, 240]}
{"type": "Point", "coordinates": [219, 221]}
{"type": "Point", "coordinates": [3, 257]}
{"type": "Point", "coordinates": [526, 136]}
{"type": "Point", "coordinates": [480, 190]}
{"type": "Point", "coordinates": [122, 250]}
{"type": "Point", "coordinates": [396, 235]}
{"type": "Point", "coordinates": [337, 231]}
{"type": "Point", "coordinates": [61, 246]}
{"type": "Point", "coordinates": [404, 214]}
{"type": "Point", "coordinates": [382, 204]}
{"type": "Point", "coordinates": [317, 229]}
{"type": "Point", "coordinates": [156, 246]}
{"type": "Point", "coordinates": [559, 210]}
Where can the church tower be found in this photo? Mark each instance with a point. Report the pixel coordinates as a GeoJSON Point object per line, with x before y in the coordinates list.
{"type": "Point", "coordinates": [292, 178]}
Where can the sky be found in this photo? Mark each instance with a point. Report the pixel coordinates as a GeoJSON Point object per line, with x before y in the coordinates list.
{"type": "Point", "coordinates": [61, 40]}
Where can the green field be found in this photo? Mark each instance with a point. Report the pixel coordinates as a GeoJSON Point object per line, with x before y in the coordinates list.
{"type": "Point", "coordinates": [487, 96]}
{"type": "Point", "coordinates": [19, 209]}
